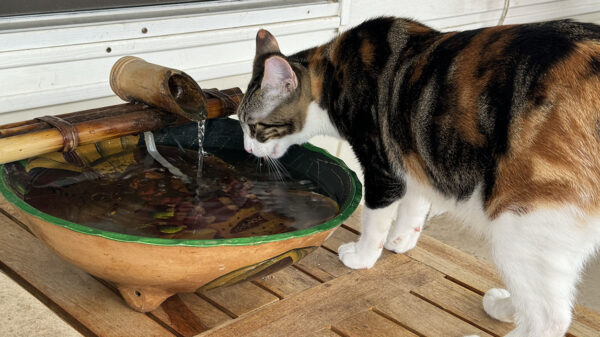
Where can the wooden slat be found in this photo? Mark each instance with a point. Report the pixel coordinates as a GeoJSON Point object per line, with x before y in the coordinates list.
{"type": "Point", "coordinates": [287, 282]}
{"type": "Point", "coordinates": [323, 265]}
{"type": "Point", "coordinates": [368, 323]}
{"type": "Point", "coordinates": [578, 329]}
{"type": "Point", "coordinates": [459, 258]}
{"type": "Point", "coordinates": [411, 273]}
{"type": "Point", "coordinates": [188, 314]}
{"type": "Point", "coordinates": [240, 298]}
{"type": "Point", "coordinates": [339, 237]}
{"type": "Point", "coordinates": [353, 221]}
{"type": "Point", "coordinates": [424, 318]}
{"type": "Point", "coordinates": [587, 316]}
{"type": "Point", "coordinates": [463, 303]}
{"type": "Point", "coordinates": [447, 266]}
{"type": "Point", "coordinates": [324, 333]}
{"type": "Point", "coordinates": [314, 309]}
{"type": "Point", "coordinates": [9, 210]}
{"type": "Point", "coordinates": [92, 304]}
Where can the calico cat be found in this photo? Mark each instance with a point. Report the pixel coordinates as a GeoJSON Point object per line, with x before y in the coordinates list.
{"type": "Point", "coordinates": [499, 126]}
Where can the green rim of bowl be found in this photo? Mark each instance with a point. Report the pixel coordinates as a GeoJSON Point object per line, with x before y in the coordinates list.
{"type": "Point", "coordinates": [346, 210]}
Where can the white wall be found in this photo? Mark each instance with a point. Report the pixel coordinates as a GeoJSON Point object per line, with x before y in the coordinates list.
{"type": "Point", "coordinates": [462, 14]}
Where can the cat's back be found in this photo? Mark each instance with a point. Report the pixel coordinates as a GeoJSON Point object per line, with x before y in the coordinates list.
{"type": "Point", "coordinates": [521, 102]}
{"type": "Point", "coordinates": [543, 82]}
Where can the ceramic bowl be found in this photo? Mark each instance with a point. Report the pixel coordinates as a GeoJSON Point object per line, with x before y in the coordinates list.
{"type": "Point", "coordinates": [147, 270]}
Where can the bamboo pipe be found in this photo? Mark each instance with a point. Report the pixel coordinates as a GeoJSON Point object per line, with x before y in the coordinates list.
{"type": "Point", "coordinates": [214, 107]}
{"type": "Point", "coordinates": [73, 117]}
{"type": "Point", "coordinates": [134, 79]}
{"type": "Point", "coordinates": [136, 118]}
{"type": "Point", "coordinates": [39, 142]}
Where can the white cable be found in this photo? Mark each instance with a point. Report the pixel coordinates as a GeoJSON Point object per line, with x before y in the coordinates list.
{"type": "Point", "coordinates": [151, 146]}
{"type": "Point", "coordinates": [504, 12]}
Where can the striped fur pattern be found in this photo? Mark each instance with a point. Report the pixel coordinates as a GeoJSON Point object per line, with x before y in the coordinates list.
{"type": "Point", "coordinates": [499, 125]}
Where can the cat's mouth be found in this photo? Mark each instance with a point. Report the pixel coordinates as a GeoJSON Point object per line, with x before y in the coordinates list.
{"type": "Point", "coordinates": [273, 149]}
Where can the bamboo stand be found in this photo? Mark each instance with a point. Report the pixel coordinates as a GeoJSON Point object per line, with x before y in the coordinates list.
{"type": "Point", "coordinates": [168, 97]}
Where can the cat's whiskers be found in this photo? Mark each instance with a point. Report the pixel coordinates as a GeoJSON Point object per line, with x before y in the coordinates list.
{"type": "Point", "coordinates": [277, 167]}
{"type": "Point", "coordinates": [284, 172]}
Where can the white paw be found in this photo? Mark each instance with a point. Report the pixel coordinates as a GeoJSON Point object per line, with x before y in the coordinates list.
{"type": "Point", "coordinates": [497, 304]}
{"type": "Point", "coordinates": [352, 258]}
{"type": "Point", "coordinates": [402, 243]}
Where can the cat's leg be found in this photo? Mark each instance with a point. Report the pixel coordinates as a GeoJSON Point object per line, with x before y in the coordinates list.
{"type": "Point", "coordinates": [375, 226]}
{"type": "Point", "coordinates": [540, 257]}
{"type": "Point", "coordinates": [410, 218]}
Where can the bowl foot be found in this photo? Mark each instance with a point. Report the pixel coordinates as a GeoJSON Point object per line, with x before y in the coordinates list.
{"type": "Point", "coordinates": [143, 299]}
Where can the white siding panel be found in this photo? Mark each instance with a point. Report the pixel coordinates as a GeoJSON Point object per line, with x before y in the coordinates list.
{"type": "Point", "coordinates": [63, 82]}
{"type": "Point", "coordinates": [240, 81]}
{"type": "Point", "coordinates": [26, 57]}
{"type": "Point", "coordinates": [330, 144]}
{"type": "Point", "coordinates": [461, 14]}
{"type": "Point", "coordinates": [78, 34]}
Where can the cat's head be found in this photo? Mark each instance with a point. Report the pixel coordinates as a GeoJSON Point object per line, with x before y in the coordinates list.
{"type": "Point", "coordinates": [274, 110]}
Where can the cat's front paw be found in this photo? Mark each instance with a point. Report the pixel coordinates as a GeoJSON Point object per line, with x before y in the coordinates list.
{"type": "Point", "coordinates": [402, 243]}
{"type": "Point", "coordinates": [355, 259]}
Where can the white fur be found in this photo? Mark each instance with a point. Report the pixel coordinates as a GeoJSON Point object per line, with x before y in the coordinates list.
{"type": "Point", "coordinates": [317, 123]}
{"type": "Point", "coordinates": [375, 226]}
{"type": "Point", "coordinates": [378, 231]}
{"type": "Point", "coordinates": [540, 255]}
{"type": "Point", "coordinates": [497, 303]}
{"type": "Point", "coordinates": [410, 219]}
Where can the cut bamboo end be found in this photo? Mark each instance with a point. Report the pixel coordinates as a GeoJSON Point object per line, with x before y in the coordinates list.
{"type": "Point", "coordinates": [134, 79]}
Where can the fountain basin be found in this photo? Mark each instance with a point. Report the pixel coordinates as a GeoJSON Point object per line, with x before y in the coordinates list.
{"type": "Point", "coordinates": [147, 270]}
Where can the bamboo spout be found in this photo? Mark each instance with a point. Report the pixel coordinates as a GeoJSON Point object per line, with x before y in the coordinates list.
{"type": "Point", "coordinates": [134, 79]}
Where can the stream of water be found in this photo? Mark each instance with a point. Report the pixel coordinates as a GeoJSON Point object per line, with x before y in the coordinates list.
{"type": "Point", "coordinates": [201, 130]}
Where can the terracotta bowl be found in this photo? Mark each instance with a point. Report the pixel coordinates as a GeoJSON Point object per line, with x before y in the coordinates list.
{"type": "Point", "coordinates": [148, 270]}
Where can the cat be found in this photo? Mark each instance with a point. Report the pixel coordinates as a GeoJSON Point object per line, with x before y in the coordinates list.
{"type": "Point", "coordinates": [499, 126]}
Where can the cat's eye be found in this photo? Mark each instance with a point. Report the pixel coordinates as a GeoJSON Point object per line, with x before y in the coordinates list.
{"type": "Point", "coordinates": [266, 125]}
{"type": "Point", "coordinates": [252, 129]}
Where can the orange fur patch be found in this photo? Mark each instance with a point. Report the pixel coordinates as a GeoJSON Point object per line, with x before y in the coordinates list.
{"type": "Point", "coordinates": [316, 73]}
{"type": "Point", "coordinates": [554, 156]}
{"type": "Point", "coordinates": [367, 52]}
{"type": "Point", "coordinates": [415, 166]}
{"type": "Point", "coordinates": [470, 86]}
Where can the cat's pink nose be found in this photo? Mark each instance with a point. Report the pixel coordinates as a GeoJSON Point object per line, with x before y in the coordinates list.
{"type": "Point", "coordinates": [248, 149]}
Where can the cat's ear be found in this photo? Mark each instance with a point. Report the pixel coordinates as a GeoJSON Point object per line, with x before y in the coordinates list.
{"type": "Point", "coordinates": [266, 43]}
{"type": "Point", "coordinates": [279, 76]}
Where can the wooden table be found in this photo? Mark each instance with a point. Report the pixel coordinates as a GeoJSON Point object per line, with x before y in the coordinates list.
{"type": "Point", "coordinates": [434, 290]}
